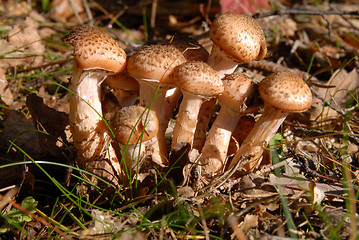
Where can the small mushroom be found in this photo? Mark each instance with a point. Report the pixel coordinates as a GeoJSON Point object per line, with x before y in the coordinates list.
{"type": "Point", "coordinates": [283, 93]}
{"type": "Point", "coordinates": [237, 87]}
{"type": "Point", "coordinates": [198, 82]}
{"type": "Point", "coordinates": [97, 55]}
{"type": "Point", "coordinates": [237, 38]}
{"type": "Point", "coordinates": [124, 87]}
{"type": "Point", "coordinates": [133, 126]}
{"type": "Point", "coordinates": [151, 67]}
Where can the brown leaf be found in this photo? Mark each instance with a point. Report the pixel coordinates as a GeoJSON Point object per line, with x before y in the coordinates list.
{"type": "Point", "coordinates": [24, 39]}
{"type": "Point", "coordinates": [21, 131]}
{"type": "Point", "coordinates": [5, 92]}
{"type": "Point", "coordinates": [336, 94]}
{"type": "Point", "coordinates": [48, 120]}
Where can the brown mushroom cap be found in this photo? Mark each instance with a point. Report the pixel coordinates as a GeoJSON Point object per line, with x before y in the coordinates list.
{"type": "Point", "coordinates": [127, 119]}
{"type": "Point", "coordinates": [240, 36]}
{"type": "Point", "coordinates": [285, 91]}
{"type": "Point", "coordinates": [197, 78]}
{"type": "Point", "coordinates": [237, 86]}
{"type": "Point", "coordinates": [95, 49]}
{"type": "Point", "coordinates": [155, 62]}
{"type": "Point", "coordinates": [189, 47]}
{"type": "Point", "coordinates": [122, 81]}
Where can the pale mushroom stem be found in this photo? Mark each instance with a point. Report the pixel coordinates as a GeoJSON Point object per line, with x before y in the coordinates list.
{"type": "Point", "coordinates": [214, 152]}
{"type": "Point", "coordinates": [258, 138]}
{"type": "Point", "coordinates": [204, 116]}
{"type": "Point", "coordinates": [221, 62]}
{"type": "Point", "coordinates": [88, 128]}
{"type": "Point", "coordinates": [149, 91]}
{"type": "Point", "coordinates": [132, 154]}
{"type": "Point", "coordinates": [187, 118]}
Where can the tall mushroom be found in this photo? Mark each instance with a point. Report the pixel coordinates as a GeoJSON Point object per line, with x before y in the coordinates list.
{"type": "Point", "coordinates": [133, 126]}
{"type": "Point", "coordinates": [151, 66]}
{"type": "Point", "coordinates": [237, 87]}
{"type": "Point", "coordinates": [198, 82]}
{"type": "Point", "coordinates": [283, 93]}
{"type": "Point", "coordinates": [97, 55]}
{"type": "Point", "coordinates": [237, 38]}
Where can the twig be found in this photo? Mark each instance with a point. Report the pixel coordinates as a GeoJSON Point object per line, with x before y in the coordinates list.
{"type": "Point", "coordinates": [88, 12]}
{"type": "Point", "coordinates": [295, 11]}
{"type": "Point", "coordinates": [76, 13]}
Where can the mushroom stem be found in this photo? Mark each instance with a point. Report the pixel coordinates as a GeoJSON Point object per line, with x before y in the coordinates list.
{"type": "Point", "coordinates": [259, 137]}
{"type": "Point", "coordinates": [88, 128]}
{"type": "Point", "coordinates": [221, 62]}
{"type": "Point", "coordinates": [187, 118]}
{"type": "Point", "coordinates": [214, 152]}
{"type": "Point", "coordinates": [204, 117]}
{"type": "Point", "coordinates": [148, 92]}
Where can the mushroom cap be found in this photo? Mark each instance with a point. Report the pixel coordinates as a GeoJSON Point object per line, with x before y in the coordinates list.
{"type": "Point", "coordinates": [155, 62]}
{"type": "Point", "coordinates": [237, 87]}
{"type": "Point", "coordinates": [197, 78]}
{"type": "Point", "coordinates": [189, 47]}
{"type": "Point", "coordinates": [128, 128]}
{"type": "Point", "coordinates": [122, 81]}
{"type": "Point", "coordinates": [240, 36]}
{"type": "Point", "coordinates": [95, 49]}
{"type": "Point", "coordinates": [285, 91]}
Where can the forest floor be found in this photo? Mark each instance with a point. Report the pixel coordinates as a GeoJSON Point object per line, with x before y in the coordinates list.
{"type": "Point", "coordinates": [306, 186]}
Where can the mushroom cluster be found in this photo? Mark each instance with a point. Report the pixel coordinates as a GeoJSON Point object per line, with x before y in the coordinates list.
{"type": "Point", "coordinates": [149, 85]}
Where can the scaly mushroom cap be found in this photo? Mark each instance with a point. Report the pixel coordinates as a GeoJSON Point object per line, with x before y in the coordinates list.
{"type": "Point", "coordinates": [285, 91]}
{"type": "Point", "coordinates": [237, 87]}
{"type": "Point", "coordinates": [155, 62]}
{"type": "Point", "coordinates": [197, 78]}
{"type": "Point", "coordinates": [95, 49]}
{"type": "Point", "coordinates": [189, 47]}
{"type": "Point", "coordinates": [128, 128]}
{"type": "Point", "coordinates": [240, 36]}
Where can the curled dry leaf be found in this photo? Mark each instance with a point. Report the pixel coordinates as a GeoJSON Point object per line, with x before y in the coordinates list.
{"type": "Point", "coordinates": [335, 92]}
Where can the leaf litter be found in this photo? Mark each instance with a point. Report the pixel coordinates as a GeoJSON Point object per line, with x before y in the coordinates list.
{"type": "Point", "coordinates": [312, 154]}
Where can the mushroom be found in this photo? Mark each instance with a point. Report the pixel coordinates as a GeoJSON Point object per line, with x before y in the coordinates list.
{"type": "Point", "coordinates": [237, 38]}
{"type": "Point", "coordinates": [198, 82]}
{"type": "Point", "coordinates": [124, 87]}
{"type": "Point", "coordinates": [132, 127]}
{"type": "Point", "coordinates": [151, 66]}
{"type": "Point", "coordinates": [97, 55]}
{"type": "Point", "coordinates": [237, 88]}
{"type": "Point", "coordinates": [283, 93]}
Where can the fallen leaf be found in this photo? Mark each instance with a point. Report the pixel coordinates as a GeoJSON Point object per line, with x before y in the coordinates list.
{"type": "Point", "coordinates": [62, 10]}
{"type": "Point", "coordinates": [25, 46]}
{"type": "Point", "coordinates": [336, 94]}
{"type": "Point", "coordinates": [5, 92]}
{"type": "Point", "coordinates": [244, 6]}
{"type": "Point", "coordinates": [47, 120]}
{"type": "Point", "coordinates": [20, 131]}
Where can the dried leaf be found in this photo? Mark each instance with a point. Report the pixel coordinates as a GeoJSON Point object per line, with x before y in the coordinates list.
{"type": "Point", "coordinates": [62, 10]}
{"type": "Point", "coordinates": [339, 85]}
{"type": "Point", "coordinates": [5, 92]}
{"type": "Point", "coordinates": [25, 45]}
{"type": "Point", "coordinates": [21, 131]}
{"type": "Point", "coordinates": [244, 6]}
{"type": "Point", "coordinates": [48, 120]}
